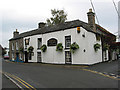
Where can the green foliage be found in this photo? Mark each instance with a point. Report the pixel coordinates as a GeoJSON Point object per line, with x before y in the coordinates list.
{"type": "Point", "coordinates": [106, 47]}
{"type": "Point", "coordinates": [58, 16]}
{"type": "Point", "coordinates": [30, 49]}
{"type": "Point", "coordinates": [21, 49]}
{"type": "Point", "coordinates": [59, 47]}
{"type": "Point", "coordinates": [74, 47]}
{"type": "Point", "coordinates": [96, 46]}
{"type": "Point", "coordinates": [43, 47]}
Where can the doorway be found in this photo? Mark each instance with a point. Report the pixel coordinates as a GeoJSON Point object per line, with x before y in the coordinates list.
{"type": "Point", "coordinates": [26, 57]}
{"type": "Point", "coordinates": [68, 59]}
{"type": "Point", "coordinates": [39, 58]}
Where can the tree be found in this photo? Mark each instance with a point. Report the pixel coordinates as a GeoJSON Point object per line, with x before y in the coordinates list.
{"type": "Point", "coordinates": [58, 16]}
{"type": "Point", "coordinates": [4, 51]}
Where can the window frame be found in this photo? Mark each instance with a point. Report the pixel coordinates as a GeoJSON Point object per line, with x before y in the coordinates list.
{"type": "Point", "coordinates": [66, 43]}
{"type": "Point", "coordinates": [12, 46]}
{"type": "Point", "coordinates": [50, 43]}
{"type": "Point", "coordinates": [68, 60]}
{"type": "Point", "coordinates": [39, 43]}
{"type": "Point", "coordinates": [17, 45]}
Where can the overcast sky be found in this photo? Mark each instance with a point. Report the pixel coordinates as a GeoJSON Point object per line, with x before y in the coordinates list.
{"type": "Point", "coordinates": [25, 15]}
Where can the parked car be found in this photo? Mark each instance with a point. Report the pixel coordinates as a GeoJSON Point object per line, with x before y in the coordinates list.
{"type": "Point", "coordinates": [118, 56]}
{"type": "Point", "coordinates": [6, 56]}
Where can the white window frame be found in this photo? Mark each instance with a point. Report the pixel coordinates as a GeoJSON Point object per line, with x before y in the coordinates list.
{"type": "Point", "coordinates": [12, 56]}
{"type": "Point", "coordinates": [12, 46]}
{"type": "Point", "coordinates": [16, 45]}
{"type": "Point", "coordinates": [67, 44]}
{"type": "Point", "coordinates": [39, 43]}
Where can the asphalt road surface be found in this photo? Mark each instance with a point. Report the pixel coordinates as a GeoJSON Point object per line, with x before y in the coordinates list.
{"type": "Point", "coordinates": [55, 76]}
{"type": "Point", "coordinates": [6, 83]}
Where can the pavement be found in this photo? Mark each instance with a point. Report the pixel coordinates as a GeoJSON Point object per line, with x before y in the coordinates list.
{"type": "Point", "coordinates": [110, 68]}
{"type": "Point", "coordinates": [60, 76]}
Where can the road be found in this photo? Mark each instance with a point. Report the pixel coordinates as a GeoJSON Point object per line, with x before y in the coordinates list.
{"type": "Point", "coordinates": [55, 76]}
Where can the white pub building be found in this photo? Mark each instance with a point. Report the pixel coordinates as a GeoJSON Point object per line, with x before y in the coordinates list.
{"type": "Point", "coordinates": [72, 42]}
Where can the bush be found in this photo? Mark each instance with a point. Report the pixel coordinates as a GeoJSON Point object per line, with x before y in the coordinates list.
{"type": "Point", "coordinates": [74, 47]}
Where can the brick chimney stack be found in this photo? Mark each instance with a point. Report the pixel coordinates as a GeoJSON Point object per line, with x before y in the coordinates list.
{"type": "Point", "coordinates": [91, 20]}
{"type": "Point", "coordinates": [15, 33]}
{"type": "Point", "coordinates": [41, 24]}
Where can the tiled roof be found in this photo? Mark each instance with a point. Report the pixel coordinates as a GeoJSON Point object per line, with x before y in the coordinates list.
{"type": "Point", "coordinates": [59, 27]}
{"type": "Point", "coordinates": [54, 28]}
{"type": "Point", "coordinates": [103, 30]}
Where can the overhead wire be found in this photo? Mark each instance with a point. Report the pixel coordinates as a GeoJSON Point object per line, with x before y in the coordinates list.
{"type": "Point", "coordinates": [116, 8]}
{"type": "Point", "coordinates": [94, 11]}
{"type": "Point", "coordinates": [118, 36]}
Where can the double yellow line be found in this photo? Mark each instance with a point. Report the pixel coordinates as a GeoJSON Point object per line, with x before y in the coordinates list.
{"type": "Point", "coordinates": [101, 74]}
{"type": "Point", "coordinates": [25, 84]}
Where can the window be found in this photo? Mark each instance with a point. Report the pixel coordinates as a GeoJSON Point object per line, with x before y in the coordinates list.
{"type": "Point", "coordinates": [12, 56]}
{"type": "Point", "coordinates": [29, 56]}
{"type": "Point", "coordinates": [67, 41]}
{"type": "Point", "coordinates": [16, 45]}
{"type": "Point", "coordinates": [68, 57]}
{"type": "Point", "coordinates": [98, 37]}
{"type": "Point", "coordinates": [12, 46]}
{"type": "Point", "coordinates": [39, 58]}
{"type": "Point", "coordinates": [52, 42]}
{"type": "Point", "coordinates": [39, 42]}
{"type": "Point", "coordinates": [20, 56]}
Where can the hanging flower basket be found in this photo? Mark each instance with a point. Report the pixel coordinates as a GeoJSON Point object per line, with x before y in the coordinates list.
{"type": "Point", "coordinates": [30, 49]}
{"type": "Point", "coordinates": [106, 47]}
{"type": "Point", "coordinates": [59, 47]}
{"type": "Point", "coordinates": [74, 47]}
{"type": "Point", "coordinates": [96, 47]}
{"type": "Point", "coordinates": [43, 48]}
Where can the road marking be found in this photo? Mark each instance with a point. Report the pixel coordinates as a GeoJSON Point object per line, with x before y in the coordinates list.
{"type": "Point", "coordinates": [101, 74]}
{"type": "Point", "coordinates": [21, 81]}
{"type": "Point", "coordinates": [10, 76]}
{"type": "Point", "coordinates": [14, 82]}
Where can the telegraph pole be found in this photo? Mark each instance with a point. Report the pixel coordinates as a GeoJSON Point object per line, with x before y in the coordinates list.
{"type": "Point", "coordinates": [119, 22]}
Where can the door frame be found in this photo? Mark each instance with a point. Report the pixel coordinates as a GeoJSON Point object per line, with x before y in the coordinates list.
{"type": "Point", "coordinates": [70, 61]}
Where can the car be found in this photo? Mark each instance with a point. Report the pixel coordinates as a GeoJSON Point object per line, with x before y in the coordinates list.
{"type": "Point", "coordinates": [119, 56]}
{"type": "Point", "coordinates": [6, 56]}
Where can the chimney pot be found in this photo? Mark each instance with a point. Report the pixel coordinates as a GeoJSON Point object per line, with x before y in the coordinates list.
{"type": "Point", "coordinates": [15, 33]}
{"type": "Point", "coordinates": [41, 24]}
{"type": "Point", "coordinates": [90, 10]}
{"type": "Point", "coordinates": [91, 20]}
{"type": "Point", "coordinates": [16, 30]}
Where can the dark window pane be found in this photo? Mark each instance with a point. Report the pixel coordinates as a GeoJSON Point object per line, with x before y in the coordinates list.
{"type": "Point", "coordinates": [39, 42]}
{"type": "Point", "coordinates": [52, 42]}
{"type": "Point", "coordinates": [67, 41]}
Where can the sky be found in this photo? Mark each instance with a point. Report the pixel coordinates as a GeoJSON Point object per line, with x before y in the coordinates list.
{"type": "Point", "coordinates": [25, 15]}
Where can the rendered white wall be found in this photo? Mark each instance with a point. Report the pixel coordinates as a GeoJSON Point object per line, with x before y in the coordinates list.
{"type": "Point", "coordinates": [33, 42]}
{"type": "Point", "coordinates": [79, 57]}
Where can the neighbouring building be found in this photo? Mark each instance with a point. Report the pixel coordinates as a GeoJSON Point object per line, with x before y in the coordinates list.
{"type": "Point", "coordinates": [1, 51]}
{"type": "Point", "coordinates": [93, 40]}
